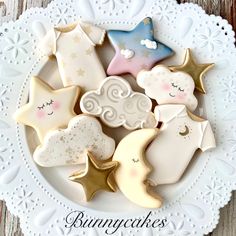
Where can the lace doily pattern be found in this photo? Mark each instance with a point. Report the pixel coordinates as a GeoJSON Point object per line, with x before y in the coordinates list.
{"type": "Point", "coordinates": [193, 212]}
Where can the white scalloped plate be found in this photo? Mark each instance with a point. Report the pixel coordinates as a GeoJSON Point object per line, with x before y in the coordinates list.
{"type": "Point", "coordinates": [43, 197]}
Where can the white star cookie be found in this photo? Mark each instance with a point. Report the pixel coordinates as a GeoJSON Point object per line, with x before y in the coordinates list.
{"type": "Point", "coordinates": [168, 87]}
{"type": "Point", "coordinates": [70, 146]}
{"type": "Point", "coordinates": [47, 109]}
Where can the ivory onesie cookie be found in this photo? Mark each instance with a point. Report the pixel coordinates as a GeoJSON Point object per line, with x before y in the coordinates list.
{"type": "Point", "coordinates": [70, 146]}
{"type": "Point", "coordinates": [117, 105]}
{"type": "Point", "coordinates": [133, 169]}
{"type": "Point", "coordinates": [74, 48]}
{"type": "Point", "coordinates": [47, 109]}
{"type": "Point", "coordinates": [168, 87]}
{"type": "Point", "coordinates": [136, 49]}
{"type": "Point", "coordinates": [181, 135]}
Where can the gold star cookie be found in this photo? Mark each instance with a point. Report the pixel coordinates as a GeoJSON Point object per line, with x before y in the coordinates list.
{"type": "Point", "coordinates": [97, 176]}
{"type": "Point", "coordinates": [47, 109]}
{"type": "Point", "coordinates": [193, 69]}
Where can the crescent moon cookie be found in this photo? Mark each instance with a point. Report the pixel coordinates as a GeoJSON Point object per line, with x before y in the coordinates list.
{"type": "Point", "coordinates": [136, 49]}
{"type": "Point", "coordinates": [133, 169]}
{"type": "Point", "coordinates": [181, 135]}
{"type": "Point", "coordinates": [74, 48]}
{"type": "Point", "coordinates": [117, 105]}
{"type": "Point", "coordinates": [47, 109]}
{"type": "Point", "coordinates": [168, 87]}
{"type": "Point", "coordinates": [70, 146]}
{"type": "Point", "coordinates": [97, 176]}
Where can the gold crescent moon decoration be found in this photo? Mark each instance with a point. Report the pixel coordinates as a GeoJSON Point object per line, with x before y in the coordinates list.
{"type": "Point", "coordinates": [186, 132]}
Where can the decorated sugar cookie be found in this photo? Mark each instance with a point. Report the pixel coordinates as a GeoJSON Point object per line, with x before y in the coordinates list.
{"type": "Point", "coordinates": [181, 135]}
{"type": "Point", "coordinates": [133, 169]}
{"type": "Point", "coordinates": [70, 146]}
{"type": "Point", "coordinates": [117, 105]}
{"type": "Point", "coordinates": [136, 49]}
{"type": "Point", "coordinates": [74, 48]}
{"type": "Point", "coordinates": [47, 109]}
{"type": "Point", "coordinates": [97, 176]}
{"type": "Point", "coordinates": [195, 70]}
{"type": "Point", "coordinates": [168, 87]}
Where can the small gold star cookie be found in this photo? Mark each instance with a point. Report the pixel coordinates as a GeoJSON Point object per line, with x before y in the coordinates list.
{"type": "Point", "coordinates": [97, 176]}
{"type": "Point", "coordinates": [196, 71]}
{"type": "Point", "coordinates": [47, 109]}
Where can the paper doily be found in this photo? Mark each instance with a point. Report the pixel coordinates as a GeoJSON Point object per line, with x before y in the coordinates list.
{"type": "Point", "coordinates": [193, 209]}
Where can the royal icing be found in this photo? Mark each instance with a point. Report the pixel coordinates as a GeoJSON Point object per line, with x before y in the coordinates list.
{"type": "Point", "coordinates": [181, 135]}
{"type": "Point", "coordinates": [96, 176]}
{"type": "Point", "coordinates": [147, 50]}
{"type": "Point", "coordinates": [74, 48]}
{"type": "Point", "coordinates": [117, 105]}
{"type": "Point", "coordinates": [131, 175]}
{"type": "Point", "coordinates": [70, 146]}
{"type": "Point", "coordinates": [168, 87]}
{"type": "Point", "coordinates": [47, 109]}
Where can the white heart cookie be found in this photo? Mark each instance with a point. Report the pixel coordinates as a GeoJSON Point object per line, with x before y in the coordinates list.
{"type": "Point", "coordinates": [116, 104]}
{"type": "Point", "coordinates": [70, 146]}
{"type": "Point", "coordinates": [168, 87]}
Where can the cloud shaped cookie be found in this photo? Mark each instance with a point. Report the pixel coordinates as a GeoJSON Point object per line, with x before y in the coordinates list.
{"type": "Point", "coordinates": [69, 146]}
{"type": "Point", "coordinates": [168, 87]}
{"type": "Point", "coordinates": [118, 105]}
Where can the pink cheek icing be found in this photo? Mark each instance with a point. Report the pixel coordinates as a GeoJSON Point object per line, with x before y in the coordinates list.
{"type": "Point", "coordinates": [133, 173]}
{"type": "Point", "coordinates": [166, 87]}
{"type": "Point", "coordinates": [181, 96]}
{"type": "Point", "coordinates": [40, 114]}
{"type": "Point", "coordinates": [56, 105]}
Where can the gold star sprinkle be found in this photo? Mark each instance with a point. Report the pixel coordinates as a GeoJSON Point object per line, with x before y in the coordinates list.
{"type": "Point", "coordinates": [89, 51]}
{"type": "Point", "coordinates": [146, 21]}
{"type": "Point", "coordinates": [97, 176]}
{"type": "Point", "coordinates": [74, 55]}
{"type": "Point", "coordinates": [76, 39]}
{"type": "Point", "coordinates": [146, 53]}
{"type": "Point", "coordinates": [193, 69]}
{"type": "Point", "coordinates": [88, 29]}
{"type": "Point", "coordinates": [121, 45]}
{"type": "Point", "coordinates": [80, 72]}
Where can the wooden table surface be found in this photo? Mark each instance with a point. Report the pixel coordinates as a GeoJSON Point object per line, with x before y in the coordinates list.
{"type": "Point", "coordinates": [11, 9]}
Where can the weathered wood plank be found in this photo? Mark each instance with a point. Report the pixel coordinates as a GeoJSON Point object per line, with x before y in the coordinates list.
{"type": "Point", "coordinates": [11, 9]}
{"type": "Point", "coordinates": [224, 8]}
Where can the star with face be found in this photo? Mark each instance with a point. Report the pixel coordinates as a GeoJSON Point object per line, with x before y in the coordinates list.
{"type": "Point", "coordinates": [47, 109]}
{"type": "Point", "coordinates": [136, 49]}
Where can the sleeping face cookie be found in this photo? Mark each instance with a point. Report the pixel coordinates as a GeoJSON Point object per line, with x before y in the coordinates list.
{"type": "Point", "coordinates": [117, 105]}
{"type": "Point", "coordinates": [70, 146]}
{"type": "Point", "coordinates": [181, 135]}
{"type": "Point", "coordinates": [74, 48]}
{"type": "Point", "coordinates": [47, 109]}
{"type": "Point", "coordinates": [133, 169]}
{"type": "Point", "coordinates": [136, 49]}
{"type": "Point", "coordinates": [168, 87]}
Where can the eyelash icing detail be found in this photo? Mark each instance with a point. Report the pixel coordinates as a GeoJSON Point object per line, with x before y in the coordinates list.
{"type": "Point", "coordinates": [49, 103]}
{"type": "Point", "coordinates": [173, 85]}
{"type": "Point", "coordinates": [42, 107]}
{"type": "Point", "coordinates": [135, 160]}
{"type": "Point", "coordinates": [181, 90]}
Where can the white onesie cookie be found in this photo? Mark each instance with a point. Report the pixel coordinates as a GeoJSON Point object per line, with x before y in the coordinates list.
{"type": "Point", "coordinates": [172, 150]}
{"type": "Point", "coordinates": [74, 48]}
